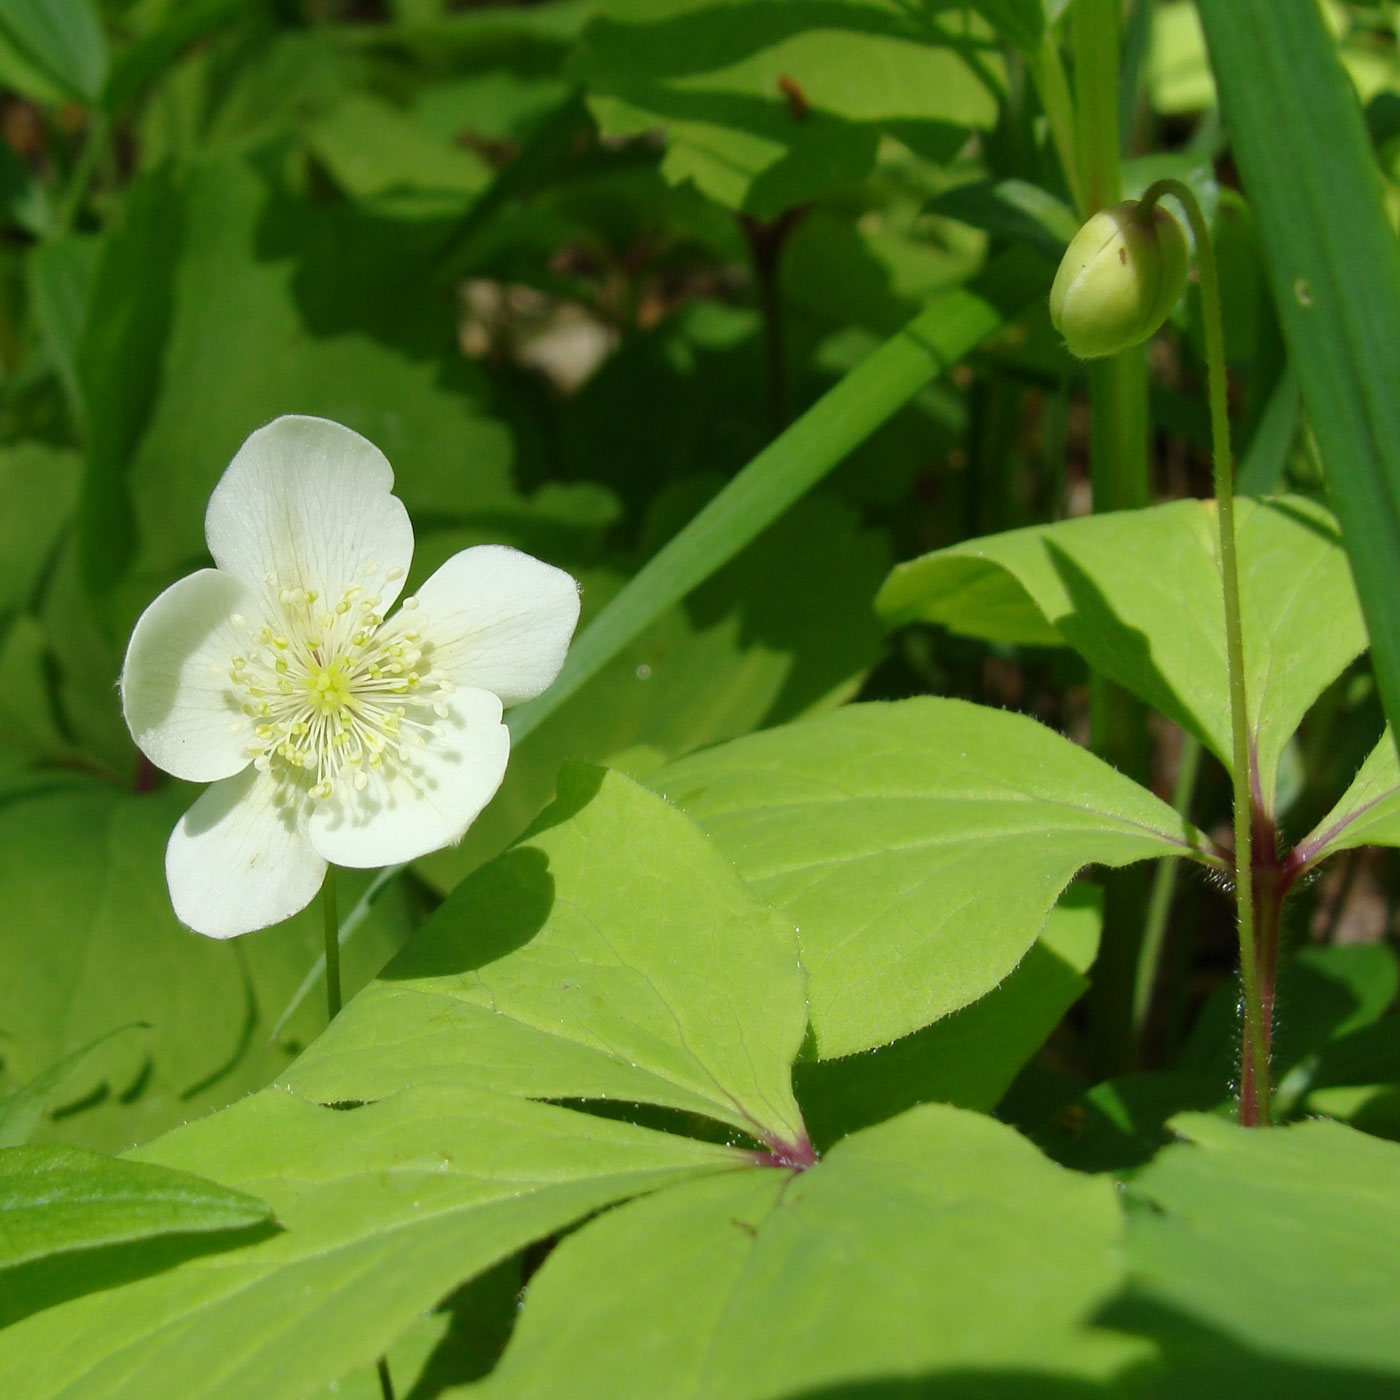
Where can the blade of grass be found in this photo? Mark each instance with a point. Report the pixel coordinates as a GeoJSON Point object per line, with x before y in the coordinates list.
{"type": "Point", "coordinates": [1301, 148]}
{"type": "Point", "coordinates": [938, 337]}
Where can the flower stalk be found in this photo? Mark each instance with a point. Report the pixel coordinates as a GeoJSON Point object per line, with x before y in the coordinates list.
{"type": "Point", "coordinates": [1254, 1107]}
{"type": "Point", "coordinates": [332, 932]}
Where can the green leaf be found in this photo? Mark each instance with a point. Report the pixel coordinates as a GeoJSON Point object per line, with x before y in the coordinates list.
{"type": "Point", "coordinates": [939, 1245]}
{"type": "Point", "coordinates": [612, 954]}
{"type": "Point", "coordinates": [1238, 1217]}
{"type": "Point", "coordinates": [92, 945]}
{"type": "Point", "coordinates": [119, 362]}
{"type": "Point", "coordinates": [942, 334]}
{"type": "Point", "coordinates": [1299, 142]}
{"type": "Point", "coordinates": [53, 50]}
{"type": "Point", "coordinates": [392, 163]}
{"type": "Point", "coordinates": [918, 847]}
{"type": "Point", "coordinates": [385, 1209]}
{"type": "Point", "coordinates": [970, 1057]}
{"type": "Point", "coordinates": [57, 1199]}
{"type": "Point", "coordinates": [61, 273]}
{"type": "Point", "coordinates": [23, 1111]}
{"type": "Point", "coordinates": [24, 200]}
{"type": "Point", "coordinates": [1368, 813]}
{"type": "Point", "coordinates": [1012, 209]}
{"type": "Point", "coordinates": [39, 485]}
{"type": "Point", "coordinates": [768, 105]}
{"type": "Point", "coordinates": [1137, 594]}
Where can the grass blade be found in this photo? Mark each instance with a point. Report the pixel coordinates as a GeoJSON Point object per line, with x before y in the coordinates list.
{"type": "Point", "coordinates": [1301, 148]}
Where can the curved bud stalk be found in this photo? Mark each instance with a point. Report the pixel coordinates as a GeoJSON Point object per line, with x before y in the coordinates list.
{"type": "Point", "coordinates": [1119, 279]}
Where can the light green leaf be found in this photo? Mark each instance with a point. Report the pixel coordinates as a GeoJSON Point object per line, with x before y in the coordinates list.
{"type": "Point", "coordinates": [612, 954]}
{"type": "Point", "coordinates": [1137, 594]}
{"type": "Point", "coordinates": [917, 846]}
{"type": "Point", "coordinates": [766, 105]}
{"type": "Point", "coordinates": [1368, 813]}
{"type": "Point", "coordinates": [1237, 1218]}
{"type": "Point", "coordinates": [382, 156]}
{"type": "Point", "coordinates": [970, 1057]}
{"type": "Point", "coordinates": [56, 1199]}
{"type": "Point", "coordinates": [384, 1210]}
{"type": "Point", "coordinates": [937, 1245]}
{"type": "Point", "coordinates": [53, 51]}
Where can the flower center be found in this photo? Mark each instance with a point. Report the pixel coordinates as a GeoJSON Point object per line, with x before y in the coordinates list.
{"type": "Point", "coordinates": [333, 695]}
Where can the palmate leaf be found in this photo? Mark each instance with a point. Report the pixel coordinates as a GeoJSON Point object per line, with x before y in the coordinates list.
{"type": "Point", "coordinates": [768, 105]}
{"type": "Point", "coordinates": [970, 1057]}
{"type": "Point", "coordinates": [938, 1246]}
{"type": "Point", "coordinates": [612, 953]}
{"type": "Point", "coordinates": [917, 846]}
{"type": "Point", "coordinates": [1137, 594]}
{"type": "Point", "coordinates": [383, 1210]}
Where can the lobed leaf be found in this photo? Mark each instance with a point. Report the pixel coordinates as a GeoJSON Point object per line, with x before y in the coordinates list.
{"type": "Point", "coordinates": [1137, 594]}
{"type": "Point", "coordinates": [917, 846]}
{"type": "Point", "coordinates": [612, 953]}
{"type": "Point", "coordinates": [384, 1210]}
{"type": "Point", "coordinates": [937, 1247]}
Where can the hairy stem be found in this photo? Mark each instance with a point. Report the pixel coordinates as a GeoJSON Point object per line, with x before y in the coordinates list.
{"type": "Point", "coordinates": [1254, 1076]}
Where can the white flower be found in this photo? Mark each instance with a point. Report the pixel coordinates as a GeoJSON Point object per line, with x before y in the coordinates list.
{"type": "Point", "coordinates": [330, 730]}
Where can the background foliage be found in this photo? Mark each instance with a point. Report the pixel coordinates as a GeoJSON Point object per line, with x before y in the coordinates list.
{"type": "Point", "coordinates": [743, 1047]}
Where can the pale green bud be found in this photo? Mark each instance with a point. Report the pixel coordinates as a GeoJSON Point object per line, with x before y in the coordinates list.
{"type": "Point", "coordinates": [1119, 278]}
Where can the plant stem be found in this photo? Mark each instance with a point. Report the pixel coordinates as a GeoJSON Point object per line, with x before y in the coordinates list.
{"type": "Point", "coordinates": [766, 239]}
{"type": "Point", "coordinates": [1160, 901]}
{"type": "Point", "coordinates": [74, 192]}
{"type": "Point", "coordinates": [1254, 1076]}
{"type": "Point", "coordinates": [1096, 34]}
{"type": "Point", "coordinates": [332, 932]}
{"type": "Point", "coordinates": [1118, 472]}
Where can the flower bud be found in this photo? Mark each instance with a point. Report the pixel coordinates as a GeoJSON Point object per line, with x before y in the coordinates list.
{"type": "Point", "coordinates": [1119, 278]}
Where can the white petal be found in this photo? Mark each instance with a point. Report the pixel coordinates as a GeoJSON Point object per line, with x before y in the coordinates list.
{"type": "Point", "coordinates": [499, 620]}
{"type": "Point", "coordinates": [426, 803]}
{"type": "Point", "coordinates": [177, 697]}
{"type": "Point", "coordinates": [309, 501]}
{"type": "Point", "coordinates": [239, 859]}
